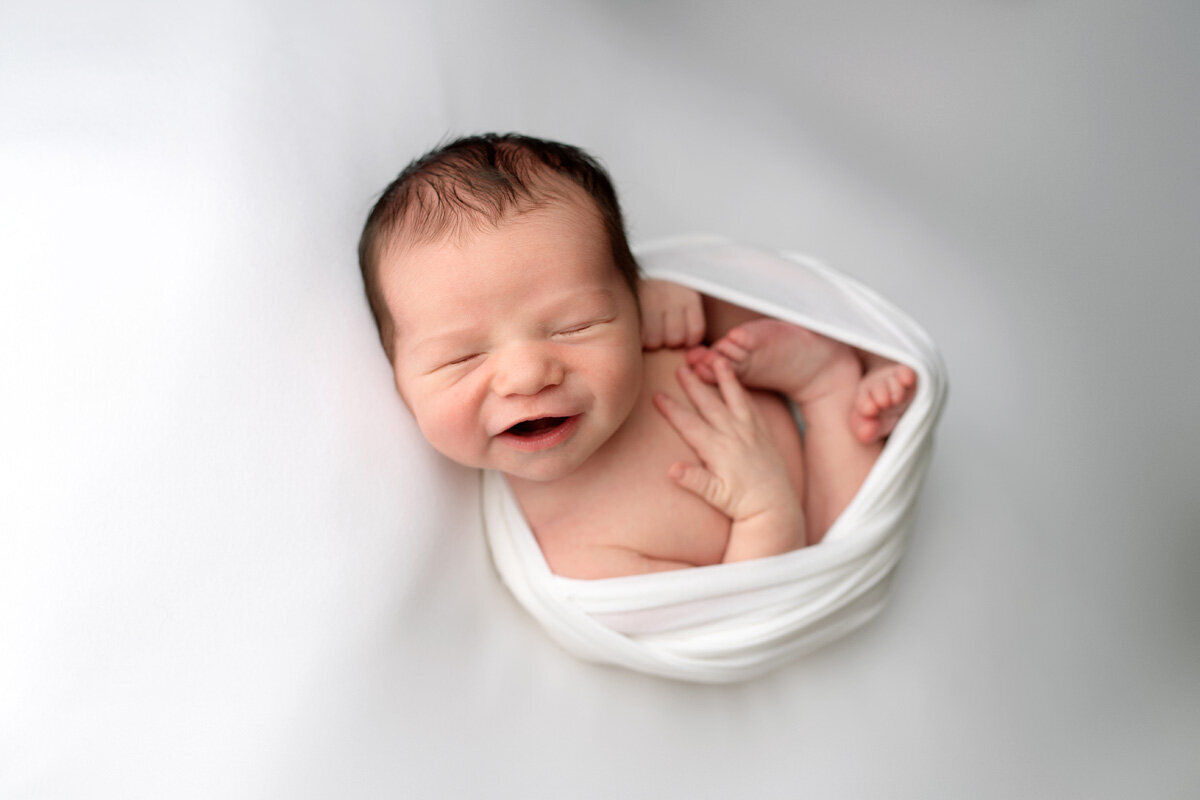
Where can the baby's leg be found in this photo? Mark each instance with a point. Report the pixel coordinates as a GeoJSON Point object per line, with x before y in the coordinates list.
{"type": "Point", "coordinates": [822, 377]}
{"type": "Point", "coordinates": [837, 461]}
{"type": "Point", "coordinates": [771, 354]}
{"type": "Point", "coordinates": [884, 392]}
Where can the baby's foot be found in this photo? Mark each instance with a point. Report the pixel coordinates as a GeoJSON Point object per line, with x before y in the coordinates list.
{"type": "Point", "coordinates": [776, 355]}
{"type": "Point", "coordinates": [884, 394]}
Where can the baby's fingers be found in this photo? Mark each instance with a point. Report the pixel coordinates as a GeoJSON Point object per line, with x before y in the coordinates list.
{"type": "Point", "coordinates": [693, 315]}
{"type": "Point", "coordinates": [705, 398]}
{"type": "Point", "coordinates": [695, 431]}
{"type": "Point", "coordinates": [732, 392]}
{"type": "Point", "coordinates": [674, 328]}
{"type": "Point", "coordinates": [699, 481]}
{"type": "Point", "coordinates": [683, 326]}
{"type": "Point", "coordinates": [700, 359]}
{"type": "Point", "coordinates": [685, 421]}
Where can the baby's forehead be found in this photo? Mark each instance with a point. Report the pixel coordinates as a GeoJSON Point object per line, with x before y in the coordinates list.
{"type": "Point", "coordinates": [423, 279]}
{"type": "Point", "coordinates": [408, 248]}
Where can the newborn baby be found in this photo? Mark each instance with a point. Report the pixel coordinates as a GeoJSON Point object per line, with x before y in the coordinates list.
{"type": "Point", "coordinates": [507, 301]}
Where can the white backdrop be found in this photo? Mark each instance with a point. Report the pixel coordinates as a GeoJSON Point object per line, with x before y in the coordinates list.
{"type": "Point", "coordinates": [230, 567]}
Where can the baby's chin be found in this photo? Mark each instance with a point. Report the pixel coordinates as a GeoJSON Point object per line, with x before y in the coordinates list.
{"type": "Point", "coordinates": [543, 469]}
{"type": "Point", "coordinates": [544, 472]}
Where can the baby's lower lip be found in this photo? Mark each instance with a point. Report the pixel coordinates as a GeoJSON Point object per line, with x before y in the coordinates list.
{"type": "Point", "coordinates": [544, 440]}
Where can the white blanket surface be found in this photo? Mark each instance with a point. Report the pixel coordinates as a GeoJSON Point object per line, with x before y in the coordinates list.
{"type": "Point", "coordinates": [230, 566]}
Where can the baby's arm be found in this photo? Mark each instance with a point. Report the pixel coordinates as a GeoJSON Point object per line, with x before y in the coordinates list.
{"type": "Point", "coordinates": [743, 474]}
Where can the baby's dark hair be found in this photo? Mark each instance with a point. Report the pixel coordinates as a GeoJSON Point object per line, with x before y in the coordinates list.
{"type": "Point", "coordinates": [475, 182]}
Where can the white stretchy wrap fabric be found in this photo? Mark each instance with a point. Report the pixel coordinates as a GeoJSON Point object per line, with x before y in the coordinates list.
{"type": "Point", "coordinates": [730, 622]}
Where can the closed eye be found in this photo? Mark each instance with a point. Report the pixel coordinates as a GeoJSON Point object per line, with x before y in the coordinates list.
{"type": "Point", "coordinates": [456, 362]}
{"type": "Point", "coordinates": [584, 327]}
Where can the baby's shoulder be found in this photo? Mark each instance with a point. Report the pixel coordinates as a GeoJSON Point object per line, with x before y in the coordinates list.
{"type": "Point", "coordinates": [659, 368]}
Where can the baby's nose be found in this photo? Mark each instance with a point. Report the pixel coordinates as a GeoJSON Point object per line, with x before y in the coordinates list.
{"type": "Point", "coordinates": [528, 370]}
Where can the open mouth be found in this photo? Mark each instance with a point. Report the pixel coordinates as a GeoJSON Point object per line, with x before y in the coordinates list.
{"type": "Point", "coordinates": [534, 427]}
{"type": "Point", "coordinates": [543, 433]}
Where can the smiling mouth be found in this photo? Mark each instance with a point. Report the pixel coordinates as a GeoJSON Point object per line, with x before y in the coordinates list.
{"type": "Point", "coordinates": [533, 427]}
{"type": "Point", "coordinates": [543, 433]}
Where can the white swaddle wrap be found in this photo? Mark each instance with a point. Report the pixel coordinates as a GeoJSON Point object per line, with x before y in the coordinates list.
{"type": "Point", "coordinates": [730, 622]}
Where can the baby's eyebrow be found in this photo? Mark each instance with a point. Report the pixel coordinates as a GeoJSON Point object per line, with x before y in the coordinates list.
{"type": "Point", "coordinates": [591, 300]}
{"type": "Point", "coordinates": [443, 339]}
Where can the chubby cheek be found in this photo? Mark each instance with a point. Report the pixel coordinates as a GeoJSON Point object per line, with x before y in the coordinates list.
{"type": "Point", "coordinates": [445, 417]}
{"type": "Point", "coordinates": [615, 387]}
{"type": "Point", "coordinates": [627, 376]}
{"type": "Point", "coordinates": [452, 426]}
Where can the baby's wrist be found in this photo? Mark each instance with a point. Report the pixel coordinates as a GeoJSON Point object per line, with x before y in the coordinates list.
{"type": "Point", "coordinates": [773, 531]}
{"type": "Point", "coordinates": [784, 520]}
{"type": "Point", "coordinates": [778, 507]}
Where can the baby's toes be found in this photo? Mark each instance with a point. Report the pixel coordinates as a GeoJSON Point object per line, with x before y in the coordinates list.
{"type": "Point", "coordinates": [906, 381]}
{"type": "Point", "coordinates": [700, 359]}
{"type": "Point", "coordinates": [867, 406]}
{"type": "Point", "coordinates": [882, 395]}
{"type": "Point", "coordinates": [741, 336]}
{"type": "Point", "coordinates": [865, 428]}
{"type": "Point", "coordinates": [732, 350]}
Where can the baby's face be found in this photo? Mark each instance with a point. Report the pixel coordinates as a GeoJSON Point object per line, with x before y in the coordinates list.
{"type": "Point", "coordinates": [519, 348]}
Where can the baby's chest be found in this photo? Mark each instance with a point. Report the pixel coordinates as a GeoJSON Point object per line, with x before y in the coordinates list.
{"type": "Point", "coordinates": [623, 498]}
{"type": "Point", "coordinates": [636, 506]}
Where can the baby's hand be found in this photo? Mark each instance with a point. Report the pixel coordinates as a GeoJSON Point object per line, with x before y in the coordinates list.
{"type": "Point", "coordinates": [672, 315]}
{"type": "Point", "coordinates": [743, 474]}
